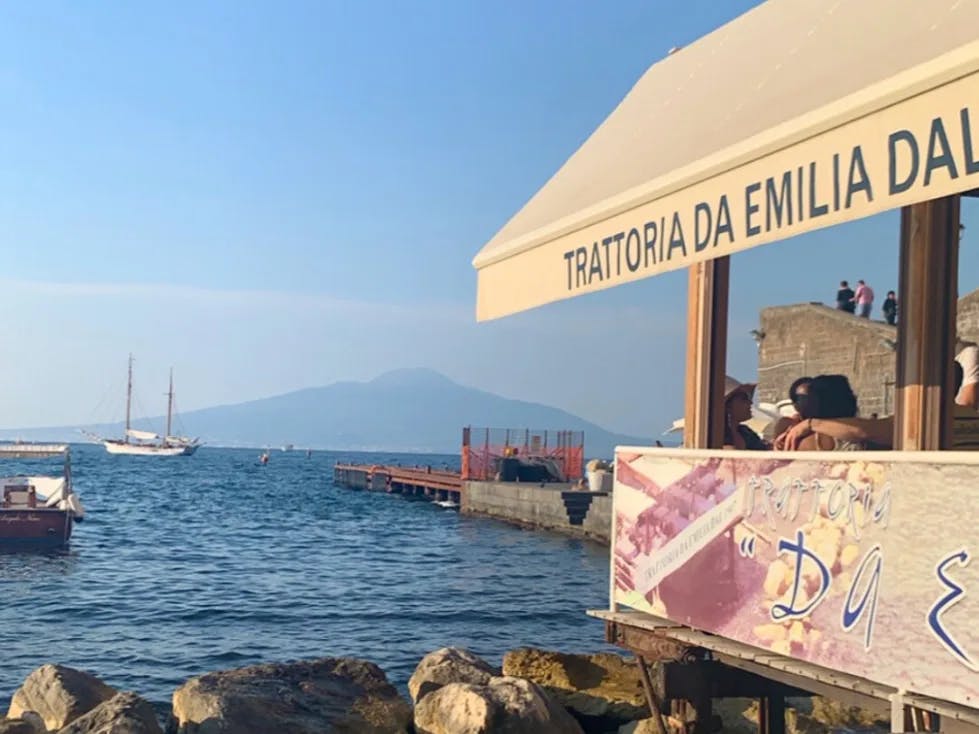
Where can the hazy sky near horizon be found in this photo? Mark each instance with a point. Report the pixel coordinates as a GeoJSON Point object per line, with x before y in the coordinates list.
{"type": "Point", "coordinates": [270, 196]}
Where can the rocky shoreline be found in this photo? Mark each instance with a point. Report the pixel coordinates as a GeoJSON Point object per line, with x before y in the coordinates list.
{"type": "Point", "coordinates": [452, 692]}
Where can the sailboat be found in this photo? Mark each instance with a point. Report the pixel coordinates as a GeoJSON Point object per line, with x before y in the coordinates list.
{"type": "Point", "coordinates": [146, 443]}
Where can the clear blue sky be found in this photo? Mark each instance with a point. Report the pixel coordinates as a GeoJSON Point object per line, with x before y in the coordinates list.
{"type": "Point", "coordinates": [270, 196]}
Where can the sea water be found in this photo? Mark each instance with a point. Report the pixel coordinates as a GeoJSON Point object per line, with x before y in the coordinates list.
{"type": "Point", "coordinates": [192, 564]}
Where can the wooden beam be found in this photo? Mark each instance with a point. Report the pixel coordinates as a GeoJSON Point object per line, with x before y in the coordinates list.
{"type": "Point", "coordinates": [687, 679]}
{"type": "Point", "coordinates": [707, 305]}
{"type": "Point", "coordinates": [926, 333]}
{"type": "Point", "coordinates": [652, 698]}
{"type": "Point", "coordinates": [771, 715]}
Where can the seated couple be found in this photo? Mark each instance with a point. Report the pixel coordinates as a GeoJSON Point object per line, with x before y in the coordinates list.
{"type": "Point", "coordinates": [811, 425]}
{"type": "Point", "coordinates": [826, 419]}
{"type": "Point", "coordinates": [817, 400]}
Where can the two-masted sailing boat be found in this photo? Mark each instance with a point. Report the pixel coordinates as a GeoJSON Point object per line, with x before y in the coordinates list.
{"type": "Point", "coordinates": [146, 443]}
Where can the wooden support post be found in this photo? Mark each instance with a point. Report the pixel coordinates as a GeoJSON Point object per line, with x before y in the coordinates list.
{"type": "Point", "coordinates": [771, 715]}
{"type": "Point", "coordinates": [704, 706]}
{"type": "Point", "coordinates": [926, 333]}
{"type": "Point", "coordinates": [707, 303]}
{"type": "Point", "coordinates": [906, 718]}
{"type": "Point", "coordinates": [926, 344]}
{"type": "Point", "coordinates": [899, 712]}
{"type": "Point", "coordinates": [652, 699]}
{"type": "Point", "coordinates": [680, 711]}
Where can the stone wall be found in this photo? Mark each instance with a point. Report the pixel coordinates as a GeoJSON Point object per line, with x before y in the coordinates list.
{"type": "Point", "coordinates": [814, 339]}
{"type": "Point", "coordinates": [968, 317]}
{"type": "Point", "coordinates": [554, 507]}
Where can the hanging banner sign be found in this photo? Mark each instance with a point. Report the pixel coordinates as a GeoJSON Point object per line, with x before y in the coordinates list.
{"type": "Point", "coordinates": [922, 148]}
{"type": "Point", "coordinates": [861, 563]}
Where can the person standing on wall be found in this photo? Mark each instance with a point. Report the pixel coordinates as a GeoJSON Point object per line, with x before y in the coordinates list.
{"type": "Point", "coordinates": [890, 308]}
{"type": "Point", "coordinates": [844, 297]}
{"type": "Point", "coordinates": [864, 298]}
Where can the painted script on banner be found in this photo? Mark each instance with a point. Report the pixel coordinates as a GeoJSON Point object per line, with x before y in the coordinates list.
{"type": "Point", "coordinates": [860, 566]}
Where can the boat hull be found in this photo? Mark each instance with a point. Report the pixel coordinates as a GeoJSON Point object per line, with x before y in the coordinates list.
{"type": "Point", "coordinates": [135, 449]}
{"type": "Point", "coordinates": [35, 527]}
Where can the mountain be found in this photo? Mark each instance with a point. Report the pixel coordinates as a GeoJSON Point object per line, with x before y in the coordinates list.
{"type": "Point", "coordinates": [416, 410]}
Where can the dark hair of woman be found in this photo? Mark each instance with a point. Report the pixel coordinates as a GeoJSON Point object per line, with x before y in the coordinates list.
{"type": "Point", "coordinates": [794, 387]}
{"type": "Point", "coordinates": [830, 396]}
{"type": "Point", "coordinates": [800, 400]}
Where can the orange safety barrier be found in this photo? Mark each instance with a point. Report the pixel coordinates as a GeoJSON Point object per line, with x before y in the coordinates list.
{"type": "Point", "coordinates": [484, 448]}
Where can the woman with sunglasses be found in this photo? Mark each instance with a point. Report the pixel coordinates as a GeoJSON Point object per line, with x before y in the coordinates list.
{"type": "Point", "coordinates": [738, 397]}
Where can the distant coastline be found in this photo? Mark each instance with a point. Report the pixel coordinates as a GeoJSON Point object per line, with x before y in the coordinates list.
{"type": "Point", "coordinates": [405, 411]}
{"type": "Point", "coordinates": [53, 436]}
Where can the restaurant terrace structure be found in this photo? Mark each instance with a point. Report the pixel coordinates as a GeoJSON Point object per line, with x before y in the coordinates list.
{"type": "Point", "coordinates": [770, 573]}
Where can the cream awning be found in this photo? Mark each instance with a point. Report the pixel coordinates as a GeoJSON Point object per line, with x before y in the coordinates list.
{"type": "Point", "coordinates": [798, 115]}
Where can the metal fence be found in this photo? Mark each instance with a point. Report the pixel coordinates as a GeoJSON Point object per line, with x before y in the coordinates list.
{"type": "Point", "coordinates": [483, 448]}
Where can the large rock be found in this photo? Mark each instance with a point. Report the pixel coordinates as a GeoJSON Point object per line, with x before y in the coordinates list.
{"type": "Point", "coordinates": [503, 706]}
{"type": "Point", "coordinates": [802, 715]}
{"type": "Point", "coordinates": [738, 715]}
{"type": "Point", "coordinates": [448, 665]}
{"type": "Point", "coordinates": [35, 720]}
{"type": "Point", "coordinates": [307, 697]}
{"type": "Point", "coordinates": [19, 726]}
{"type": "Point", "coordinates": [124, 713]}
{"type": "Point", "coordinates": [59, 695]}
{"type": "Point", "coordinates": [835, 715]}
{"type": "Point", "coordinates": [596, 688]}
{"type": "Point", "coordinates": [648, 726]}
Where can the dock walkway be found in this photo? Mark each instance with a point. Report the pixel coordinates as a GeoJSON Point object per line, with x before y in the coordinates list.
{"type": "Point", "coordinates": [553, 506]}
{"type": "Point", "coordinates": [440, 486]}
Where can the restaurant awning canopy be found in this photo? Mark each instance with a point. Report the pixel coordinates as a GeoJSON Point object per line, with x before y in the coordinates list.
{"type": "Point", "coordinates": [795, 116]}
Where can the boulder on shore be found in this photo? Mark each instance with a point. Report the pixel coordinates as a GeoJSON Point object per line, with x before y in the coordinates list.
{"type": "Point", "coordinates": [19, 726]}
{"type": "Point", "coordinates": [59, 695]}
{"type": "Point", "coordinates": [124, 713]}
{"type": "Point", "coordinates": [504, 705]}
{"type": "Point", "coordinates": [448, 665]}
{"type": "Point", "coordinates": [648, 726]}
{"type": "Point", "coordinates": [817, 715]}
{"type": "Point", "coordinates": [836, 715]}
{"type": "Point", "coordinates": [603, 686]}
{"type": "Point", "coordinates": [305, 697]}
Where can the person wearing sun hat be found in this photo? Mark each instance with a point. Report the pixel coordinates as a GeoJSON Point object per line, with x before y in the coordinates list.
{"type": "Point", "coordinates": [738, 397]}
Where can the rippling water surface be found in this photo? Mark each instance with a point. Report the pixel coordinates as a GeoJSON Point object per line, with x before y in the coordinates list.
{"type": "Point", "coordinates": [186, 565]}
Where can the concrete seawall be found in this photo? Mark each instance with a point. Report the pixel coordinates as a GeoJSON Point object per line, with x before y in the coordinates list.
{"type": "Point", "coordinates": [552, 506]}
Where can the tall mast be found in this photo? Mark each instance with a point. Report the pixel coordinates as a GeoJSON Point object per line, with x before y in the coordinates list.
{"type": "Point", "coordinates": [129, 396]}
{"type": "Point", "coordinates": [169, 406]}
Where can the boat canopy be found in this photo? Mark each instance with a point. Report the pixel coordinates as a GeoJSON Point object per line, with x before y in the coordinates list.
{"type": "Point", "coordinates": [793, 117]}
{"type": "Point", "coordinates": [46, 486]}
{"type": "Point", "coordinates": [31, 450]}
{"type": "Point", "coordinates": [141, 435]}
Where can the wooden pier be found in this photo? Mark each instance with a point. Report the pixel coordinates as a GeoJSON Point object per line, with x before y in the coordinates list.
{"type": "Point", "coordinates": [439, 486]}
